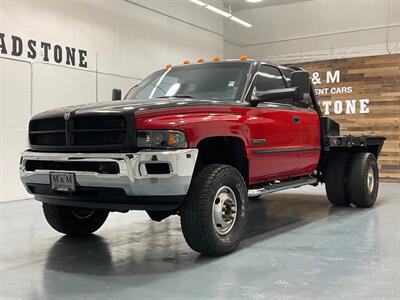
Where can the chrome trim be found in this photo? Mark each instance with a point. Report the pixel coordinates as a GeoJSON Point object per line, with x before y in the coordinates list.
{"type": "Point", "coordinates": [132, 177]}
{"type": "Point", "coordinates": [370, 179]}
{"type": "Point", "coordinates": [224, 210]}
{"type": "Point", "coordinates": [282, 186]}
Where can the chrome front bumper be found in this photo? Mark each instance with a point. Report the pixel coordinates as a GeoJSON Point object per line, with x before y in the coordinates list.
{"type": "Point", "coordinates": [132, 176]}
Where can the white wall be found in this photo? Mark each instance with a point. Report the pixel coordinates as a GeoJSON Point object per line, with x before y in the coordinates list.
{"type": "Point", "coordinates": [128, 41]}
{"type": "Point", "coordinates": [317, 30]}
{"type": "Point", "coordinates": [14, 115]}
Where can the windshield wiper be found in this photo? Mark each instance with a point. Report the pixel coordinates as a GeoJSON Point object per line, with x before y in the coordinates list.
{"type": "Point", "coordinates": [175, 96]}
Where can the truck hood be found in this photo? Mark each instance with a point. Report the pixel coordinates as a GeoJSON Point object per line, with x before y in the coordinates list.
{"type": "Point", "coordinates": [130, 106]}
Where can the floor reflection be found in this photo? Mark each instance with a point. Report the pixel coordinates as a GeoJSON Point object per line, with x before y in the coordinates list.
{"type": "Point", "coordinates": [275, 213]}
{"type": "Point", "coordinates": [123, 257]}
{"type": "Point", "coordinates": [153, 248]}
{"type": "Point", "coordinates": [296, 245]}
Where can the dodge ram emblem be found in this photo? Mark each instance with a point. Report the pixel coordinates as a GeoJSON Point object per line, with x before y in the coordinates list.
{"type": "Point", "coordinates": [67, 115]}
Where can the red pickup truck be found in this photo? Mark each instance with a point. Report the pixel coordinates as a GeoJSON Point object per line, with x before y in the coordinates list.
{"type": "Point", "coordinates": [195, 140]}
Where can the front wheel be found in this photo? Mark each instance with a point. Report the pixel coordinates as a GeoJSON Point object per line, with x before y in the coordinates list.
{"type": "Point", "coordinates": [74, 221]}
{"type": "Point", "coordinates": [214, 214]}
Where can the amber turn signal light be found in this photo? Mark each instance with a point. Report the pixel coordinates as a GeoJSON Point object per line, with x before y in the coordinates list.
{"type": "Point", "coordinates": [171, 139]}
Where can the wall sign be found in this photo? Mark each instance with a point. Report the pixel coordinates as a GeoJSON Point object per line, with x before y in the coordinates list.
{"type": "Point", "coordinates": [340, 106]}
{"type": "Point", "coordinates": [363, 95]}
{"type": "Point", "coordinates": [18, 47]}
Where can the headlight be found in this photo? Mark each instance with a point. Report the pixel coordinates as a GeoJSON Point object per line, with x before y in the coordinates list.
{"type": "Point", "coordinates": [161, 139]}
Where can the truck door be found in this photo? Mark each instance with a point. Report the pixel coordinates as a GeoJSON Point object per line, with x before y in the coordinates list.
{"type": "Point", "coordinates": [311, 137]}
{"type": "Point", "coordinates": [276, 131]}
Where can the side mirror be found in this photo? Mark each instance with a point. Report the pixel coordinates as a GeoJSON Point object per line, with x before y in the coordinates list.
{"type": "Point", "coordinates": [276, 94]}
{"type": "Point", "coordinates": [116, 94]}
{"type": "Point", "coordinates": [301, 81]}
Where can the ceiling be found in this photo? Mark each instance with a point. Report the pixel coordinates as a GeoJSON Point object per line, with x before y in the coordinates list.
{"type": "Point", "coordinates": [242, 4]}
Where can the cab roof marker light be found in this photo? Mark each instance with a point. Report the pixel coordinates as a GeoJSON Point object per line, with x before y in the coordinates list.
{"type": "Point", "coordinates": [200, 60]}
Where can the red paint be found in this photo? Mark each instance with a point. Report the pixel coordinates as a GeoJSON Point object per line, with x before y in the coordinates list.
{"type": "Point", "coordinates": [276, 126]}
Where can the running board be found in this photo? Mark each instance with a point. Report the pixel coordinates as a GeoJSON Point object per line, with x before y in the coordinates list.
{"type": "Point", "coordinates": [275, 187]}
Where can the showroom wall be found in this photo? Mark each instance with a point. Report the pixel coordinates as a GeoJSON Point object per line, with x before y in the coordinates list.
{"type": "Point", "coordinates": [316, 30]}
{"type": "Point", "coordinates": [58, 53]}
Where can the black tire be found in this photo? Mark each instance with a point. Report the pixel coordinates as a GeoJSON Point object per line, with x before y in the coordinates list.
{"type": "Point", "coordinates": [74, 221]}
{"type": "Point", "coordinates": [336, 178]}
{"type": "Point", "coordinates": [358, 190]}
{"type": "Point", "coordinates": [197, 211]}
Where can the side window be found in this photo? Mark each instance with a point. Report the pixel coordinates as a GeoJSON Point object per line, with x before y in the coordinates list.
{"type": "Point", "coordinates": [269, 78]}
{"type": "Point", "coordinates": [286, 72]}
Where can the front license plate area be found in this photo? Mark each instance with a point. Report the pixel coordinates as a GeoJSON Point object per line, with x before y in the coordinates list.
{"type": "Point", "coordinates": [62, 182]}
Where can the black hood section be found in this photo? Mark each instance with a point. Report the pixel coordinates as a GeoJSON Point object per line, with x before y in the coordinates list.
{"type": "Point", "coordinates": [130, 106]}
{"type": "Point", "coordinates": [104, 127]}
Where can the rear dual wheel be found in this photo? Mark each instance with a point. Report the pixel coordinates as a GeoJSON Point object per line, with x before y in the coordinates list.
{"type": "Point", "coordinates": [352, 179]}
{"type": "Point", "coordinates": [363, 180]}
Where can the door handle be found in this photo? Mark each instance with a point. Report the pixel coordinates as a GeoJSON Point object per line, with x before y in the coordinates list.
{"type": "Point", "coordinates": [296, 119]}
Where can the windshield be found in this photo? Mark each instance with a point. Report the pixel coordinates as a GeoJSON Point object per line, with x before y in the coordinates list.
{"type": "Point", "coordinates": [209, 81]}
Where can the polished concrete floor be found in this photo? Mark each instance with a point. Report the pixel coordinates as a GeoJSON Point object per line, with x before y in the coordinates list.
{"type": "Point", "coordinates": [297, 247]}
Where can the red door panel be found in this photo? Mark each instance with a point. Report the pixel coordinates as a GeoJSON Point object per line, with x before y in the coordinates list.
{"type": "Point", "coordinates": [284, 142]}
{"type": "Point", "coordinates": [274, 139]}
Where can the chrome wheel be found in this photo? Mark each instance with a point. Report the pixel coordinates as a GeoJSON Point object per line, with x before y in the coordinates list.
{"type": "Point", "coordinates": [82, 213]}
{"type": "Point", "coordinates": [370, 179]}
{"type": "Point", "coordinates": [224, 210]}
